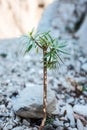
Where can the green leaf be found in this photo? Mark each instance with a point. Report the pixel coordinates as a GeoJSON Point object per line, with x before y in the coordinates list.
{"type": "Point", "coordinates": [30, 33]}
{"type": "Point", "coordinates": [37, 50]}
{"type": "Point", "coordinates": [47, 55]}
{"type": "Point", "coordinates": [28, 48]}
{"type": "Point", "coordinates": [51, 39]}
{"type": "Point", "coordinates": [62, 51]}
{"type": "Point", "coordinates": [62, 46]}
{"type": "Point", "coordinates": [43, 40]}
{"type": "Point", "coordinates": [60, 58]}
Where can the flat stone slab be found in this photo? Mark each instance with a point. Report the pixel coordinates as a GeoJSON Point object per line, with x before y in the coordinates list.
{"type": "Point", "coordinates": [29, 104]}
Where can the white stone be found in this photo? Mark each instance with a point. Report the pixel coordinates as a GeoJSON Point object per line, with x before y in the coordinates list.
{"type": "Point", "coordinates": [82, 59]}
{"type": "Point", "coordinates": [80, 125]}
{"type": "Point", "coordinates": [9, 127]}
{"type": "Point", "coordinates": [35, 128]}
{"type": "Point", "coordinates": [56, 122]}
{"type": "Point", "coordinates": [29, 103]}
{"type": "Point", "coordinates": [81, 79]}
{"type": "Point", "coordinates": [17, 119]}
{"type": "Point", "coordinates": [1, 124]}
{"type": "Point", "coordinates": [5, 128]}
{"type": "Point", "coordinates": [69, 114]}
{"type": "Point", "coordinates": [82, 101]}
{"type": "Point", "coordinates": [80, 109]}
{"type": "Point", "coordinates": [84, 67]}
{"type": "Point", "coordinates": [72, 128]}
{"type": "Point", "coordinates": [26, 123]}
{"type": "Point", "coordinates": [59, 128]}
{"type": "Point", "coordinates": [9, 105]}
{"type": "Point", "coordinates": [67, 124]}
{"type": "Point", "coordinates": [18, 128]}
{"type": "Point", "coordinates": [70, 100]}
{"type": "Point", "coordinates": [2, 109]}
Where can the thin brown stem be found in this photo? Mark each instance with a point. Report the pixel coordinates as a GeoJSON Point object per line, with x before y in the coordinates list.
{"type": "Point", "coordinates": [44, 90]}
{"type": "Point", "coordinates": [37, 43]}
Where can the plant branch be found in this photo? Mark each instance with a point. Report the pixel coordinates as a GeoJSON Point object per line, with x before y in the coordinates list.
{"type": "Point", "coordinates": [37, 43]}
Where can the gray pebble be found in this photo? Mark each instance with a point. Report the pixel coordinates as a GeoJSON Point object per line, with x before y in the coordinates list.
{"type": "Point", "coordinates": [26, 123]}
{"type": "Point", "coordinates": [48, 127]}
{"type": "Point", "coordinates": [18, 128]}
{"type": "Point", "coordinates": [80, 125]}
{"type": "Point", "coordinates": [84, 67]}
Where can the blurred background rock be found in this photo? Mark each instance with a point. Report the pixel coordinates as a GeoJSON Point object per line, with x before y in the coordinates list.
{"type": "Point", "coordinates": [19, 16]}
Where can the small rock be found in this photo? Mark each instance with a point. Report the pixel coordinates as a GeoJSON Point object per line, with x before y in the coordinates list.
{"type": "Point", "coordinates": [69, 114]}
{"type": "Point", "coordinates": [18, 128]}
{"type": "Point", "coordinates": [9, 127]}
{"type": "Point", "coordinates": [72, 128]}
{"type": "Point", "coordinates": [82, 102]}
{"type": "Point", "coordinates": [5, 128]}
{"type": "Point", "coordinates": [81, 80]}
{"type": "Point", "coordinates": [70, 100]}
{"type": "Point", "coordinates": [26, 123]}
{"type": "Point", "coordinates": [48, 127]}
{"type": "Point", "coordinates": [82, 60]}
{"type": "Point", "coordinates": [9, 106]}
{"type": "Point", "coordinates": [67, 124]}
{"type": "Point", "coordinates": [28, 129]}
{"type": "Point", "coordinates": [84, 67]}
{"type": "Point", "coordinates": [80, 125]}
{"type": "Point", "coordinates": [56, 122]}
{"type": "Point", "coordinates": [2, 108]}
{"type": "Point", "coordinates": [17, 119]}
{"type": "Point", "coordinates": [59, 128]}
{"type": "Point", "coordinates": [34, 128]}
{"type": "Point", "coordinates": [77, 66]}
{"type": "Point", "coordinates": [80, 109]}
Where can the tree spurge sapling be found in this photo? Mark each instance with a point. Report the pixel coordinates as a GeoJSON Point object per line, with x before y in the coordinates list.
{"type": "Point", "coordinates": [52, 50]}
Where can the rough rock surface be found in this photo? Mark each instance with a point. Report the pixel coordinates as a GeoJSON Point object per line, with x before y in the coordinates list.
{"type": "Point", "coordinates": [80, 109]}
{"type": "Point", "coordinates": [29, 103]}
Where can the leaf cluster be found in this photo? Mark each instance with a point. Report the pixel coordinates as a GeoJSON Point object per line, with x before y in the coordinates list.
{"type": "Point", "coordinates": [49, 120]}
{"type": "Point", "coordinates": [53, 47]}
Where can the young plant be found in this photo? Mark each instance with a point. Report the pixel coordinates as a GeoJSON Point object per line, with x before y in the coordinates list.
{"type": "Point", "coordinates": [51, 57]}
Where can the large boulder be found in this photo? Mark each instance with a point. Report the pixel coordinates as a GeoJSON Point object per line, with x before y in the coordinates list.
{"type": "Point", "coordinates": [29, 104]}
{"type": "Point", "coordinates": [63, 16]}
